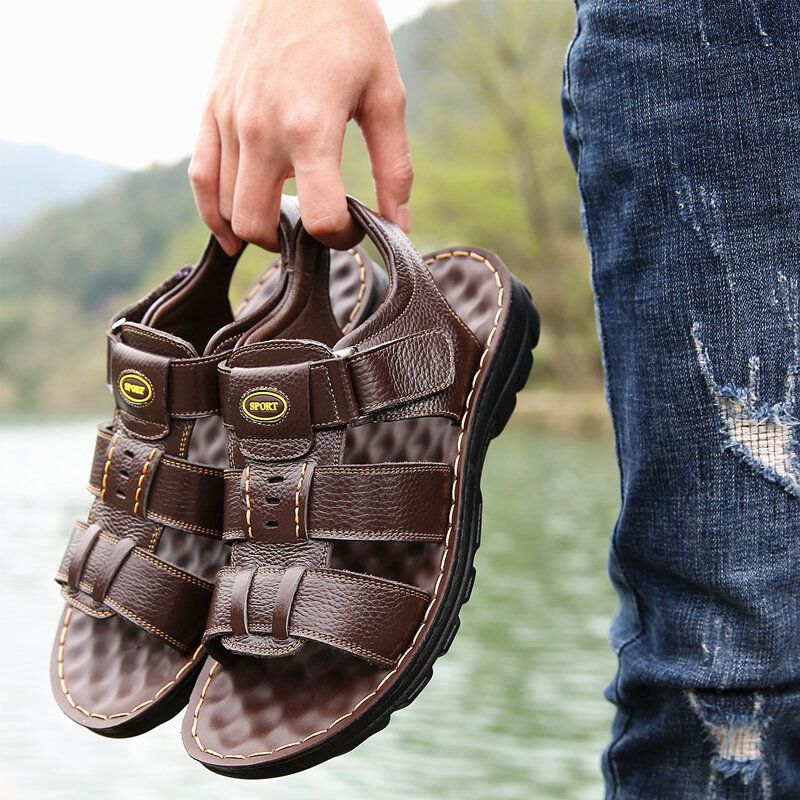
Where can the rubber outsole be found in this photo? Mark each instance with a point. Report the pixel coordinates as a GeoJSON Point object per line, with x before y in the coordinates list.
{"type": "Point", "coordinates": [506, 376]}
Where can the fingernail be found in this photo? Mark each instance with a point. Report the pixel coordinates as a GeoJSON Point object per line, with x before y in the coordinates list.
{"type": "Point", "coordinates": [404, 217]}
{"type": "Point", "coordinates": [230, 244]}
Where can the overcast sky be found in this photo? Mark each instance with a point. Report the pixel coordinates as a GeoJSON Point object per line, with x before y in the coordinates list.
{"type": "Point", "coordinates": [116, 81]}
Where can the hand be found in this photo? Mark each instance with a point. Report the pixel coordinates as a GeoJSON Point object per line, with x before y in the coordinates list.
{"type": "Point", "coordinates": [289, 77]}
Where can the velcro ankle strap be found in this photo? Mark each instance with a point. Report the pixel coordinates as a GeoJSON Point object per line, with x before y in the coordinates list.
{"type": "Point", "coordinates": [151, 389]}
{"type": "Point", "coordinates": [275, 394]}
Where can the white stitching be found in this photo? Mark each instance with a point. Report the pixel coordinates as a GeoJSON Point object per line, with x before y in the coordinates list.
{"type": "Point", "coordinates": [62, 679]}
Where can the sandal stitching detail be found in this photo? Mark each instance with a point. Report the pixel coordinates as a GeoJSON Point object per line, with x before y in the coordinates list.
{"type": "Point", "coordinates": [254, 289]}
{"type": "Point", "coordinates": [63, 683]}
{"type": "Point", "coordinates": [176, 523]}
{"type": "Point", "coordinates": [297, 501]}
{"type": "Point", "coordinates": [369, 534]}
{"type": "Point", "coordinates": [110, 454]}
{"type": "Point", "coordinates": [150, 628]}
{"type": "Point", "coordinates": [247, 500]}
{"type": "Point", "coordinates": [73, 600]}
{"type": "Point", "coordinates": [434, 597]}
{"type": "Point", "coordinates": [151, 335]}
{"type": "Point", "coordinates": [362, 275]}
{"type": "Point", "coordinates": [142, 477]}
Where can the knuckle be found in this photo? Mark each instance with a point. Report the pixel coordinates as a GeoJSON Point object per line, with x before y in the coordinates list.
{"type": "Point", "coordinates": [198, 175]}
{"type": "Point", "coordinates": [392, 97]}
{"type": "Point", "coordinates": [225, 117]}
{"type": "Point", "coordinates": [250, 124]}
{"type": "Point", "coordinates": [300, 125]}
{"type": "Point", "coordinates": [251, 228]}
{"type": "Point", "coordinates": [404, 172]}
{"type": "Point", "coordinates": [400, 173]}
{"type": "Point", "coordinates": [323, 223]}
{"type": "Point", "coordinates": [244, 226]}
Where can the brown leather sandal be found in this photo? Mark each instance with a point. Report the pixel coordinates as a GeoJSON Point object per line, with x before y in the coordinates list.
{"type": "Point", "coordinates": [353, 506]}
{"type": "Point", "coordinates": [137, 576]}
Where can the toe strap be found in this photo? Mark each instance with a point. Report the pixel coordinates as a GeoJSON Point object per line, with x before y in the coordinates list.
{"type": "Point", "coordinates": [102, 574]}
{"type": "Point", "coordinates": [364, 615]}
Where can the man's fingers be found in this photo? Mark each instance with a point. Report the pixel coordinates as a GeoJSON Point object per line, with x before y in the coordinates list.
{"type": "Point", "coordinates": [323, 206]}
{"type": "Point", "coordinates": [257, 199]}
{"type": "Point", "coordinates": [204, 179]}
{"type": "Point", "coordinates": [382, 122]}
{"type": "Point", "coordinates": [228, 166]}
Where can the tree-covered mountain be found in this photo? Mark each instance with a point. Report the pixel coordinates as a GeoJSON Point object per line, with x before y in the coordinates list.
{"type": "Point", "coordinates": [36, 177]}
{"type": "Point", "coordinates": [483, 80]}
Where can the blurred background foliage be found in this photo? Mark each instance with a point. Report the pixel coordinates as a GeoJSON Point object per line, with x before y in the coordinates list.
{"type": "Point", "coordinates": [483, 80]}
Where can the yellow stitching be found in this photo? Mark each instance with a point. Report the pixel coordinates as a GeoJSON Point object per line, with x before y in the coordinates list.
{"type": "Point", "coordinates": [362, 275]}
{"type": "Point", "coordinates": [340, 577]}
{"type": "Point", "coordinates": [140, 552]}
{"type": "Point", "coordinates": [155, 535]}
{"type": "Point", "coordinates": [375, 536]}
{"type": "Point", "coordinates": [330, 391]}
{"type": "Point", "coordinates": [62, 680]}
{"type": "Point", "coordinates": [247, 500]}
{"type": "Point", "coordinates": [183, 526]}
{"type": "Point", "coordinates": [253, 289]}
{"type": "Point", "coordinates": [185, 434]}
{"type": "Point", "coordinates": [141, 478]}
{"type": "Point", "coordinates": [180, 464]}
{"type": "Point", "coordinates": [382, 583]}
{"type": "Point", "coordinates": [117, 606]}
{"type": "Point", "coordinates": [398, 468]}
{"type": "Point", "coordinates": [297, 501]}
{"type": "Point", "coordinates": [155, 437]}
{"type": "Point", "coordinates": [108, 464]}
{"type": "Point", "coordinates": [196, 362]}
{"type": "Point", "coordinates": [102, 613]}
{"type": "Point", "coordinates": [141, 332]}
{"type": "Point", "coordinates": [197, 412]}
{"type": "Point", "coordinates": [315, 635]}
{"type": "Point", "coordinates": [435, 594]}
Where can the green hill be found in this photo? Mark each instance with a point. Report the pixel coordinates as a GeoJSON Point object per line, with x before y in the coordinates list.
{"type": "Point", "coordinates": [483, 80]}
{"type": "Point", "coordinates": [36, 177]}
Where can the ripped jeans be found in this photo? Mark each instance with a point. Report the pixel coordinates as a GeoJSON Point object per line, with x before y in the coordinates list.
{"type": "Point", "coordinates": [683, 120]}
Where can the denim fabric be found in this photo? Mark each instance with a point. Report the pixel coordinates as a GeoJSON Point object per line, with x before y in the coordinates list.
{"type": "Point", "coordinates": [683, 119]}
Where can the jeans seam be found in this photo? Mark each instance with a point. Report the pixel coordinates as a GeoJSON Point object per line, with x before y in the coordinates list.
{"type": "Point", "coordinates": [601, 329]}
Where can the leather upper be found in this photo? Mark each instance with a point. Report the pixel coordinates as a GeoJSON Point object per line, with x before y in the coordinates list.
{"type": "Point", "coordinates": [286, 405]}
{"type": "Point", "coordinates": [162, 382]}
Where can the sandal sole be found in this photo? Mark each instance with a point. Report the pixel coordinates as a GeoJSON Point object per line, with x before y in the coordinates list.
{"type": "Point", "coordinates": [506, 376]}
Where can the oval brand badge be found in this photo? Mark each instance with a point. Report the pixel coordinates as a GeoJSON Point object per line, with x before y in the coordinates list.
{"type": "Point", "coordinates": [135, 388]}
{"type": "Point", "coordinates": [264, 405]}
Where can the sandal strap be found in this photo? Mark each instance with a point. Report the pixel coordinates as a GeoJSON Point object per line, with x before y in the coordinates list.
{"type": "Point", "coordinates": [151, 388]}
{"type": "Point", "coordinates": [100, 572]}
{"type": "Point", "coordinates": [291, 502]}
{"type": "Point", "coordinates": [140, 479]}
{"type": "Point", "coordinates": [299, 387]}
{"type": "Point", "coordinates": [370, 617]}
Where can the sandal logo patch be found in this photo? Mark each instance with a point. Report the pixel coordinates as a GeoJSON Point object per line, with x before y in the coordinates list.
{"type": "Point", "coordinates": [265, 405]}
{"type": "Point", "coordinates": [135, 388]}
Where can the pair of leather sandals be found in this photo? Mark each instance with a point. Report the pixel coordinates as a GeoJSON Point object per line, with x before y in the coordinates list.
{"type": "Point", "coordinates": [287, 503]}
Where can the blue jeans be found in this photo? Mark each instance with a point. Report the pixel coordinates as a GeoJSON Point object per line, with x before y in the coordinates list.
{"type": "Point", "coordinates": [683, 120]}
